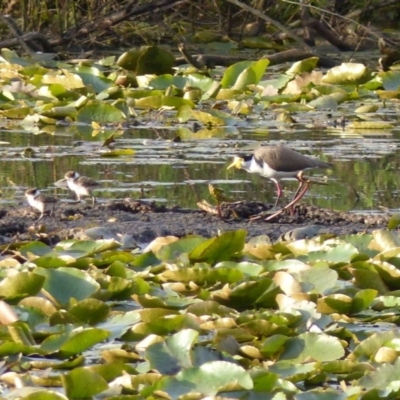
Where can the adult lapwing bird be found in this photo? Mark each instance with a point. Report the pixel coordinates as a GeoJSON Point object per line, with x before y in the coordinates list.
{"type": "Point", "coordinates": [42, 202]}
{"type": "Point", "coordinates": [277, 162]}
{"type": "Point", "coordinates": [81, 185]}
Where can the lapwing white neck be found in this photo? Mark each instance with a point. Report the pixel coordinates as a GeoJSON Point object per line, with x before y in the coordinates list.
{"type": "Point", "coordinates": [42, 202]}
{"type": "Point", "coordinates": [277, 162]}
{"type": "Point", "coordinates": [81, 185]}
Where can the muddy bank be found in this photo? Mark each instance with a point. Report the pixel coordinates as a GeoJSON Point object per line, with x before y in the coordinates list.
{"type": "Point", "coordinates": [146, 221]}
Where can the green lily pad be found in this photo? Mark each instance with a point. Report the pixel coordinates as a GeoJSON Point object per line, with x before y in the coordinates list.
{"type": "Point", "coordinates": [82, 383]}
{"type": "Point", "coordinates": [69, 344]}
{"type": "Point", "coordinates": [208, 379]}
{"type": "Point", "coordinates": [242, 74]}
{"type": "Point", "coordinates": [348, 73]}
{"type": "Point", "coordinates": [21, 285]}
{"type": "Point", "coordinates": [99, 112]}
{"type": "Point", "coordinates": [221, 248]}
{"type": "Point", "coordinates": [65, 283]}
{"type": "Point", "coordinates": [171, 356]}
{"type": "Point", "coordinates": [312, 346]}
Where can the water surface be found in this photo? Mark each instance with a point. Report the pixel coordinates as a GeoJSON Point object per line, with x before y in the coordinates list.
{"type": "Point", "coordinates": [366, 164]}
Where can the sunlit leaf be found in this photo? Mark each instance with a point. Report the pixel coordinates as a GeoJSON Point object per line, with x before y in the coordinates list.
{"type": "Point", "coordinates": [82, 383]}
{"type": "Point", "coordinates": [221, 248]}
{"type": "Point", "coordinates": [208, 379]}
{"type": "Point", "coordinates": [21, 285]}
{"type": "Point", "coordinates": [99, 112]}
{"type": "Point", "coordinates": [66, 283]}
{"type": "Point", "coordinates": [348, 73]}
{"type": "Point", "coordinates": [312, 346]}
{"type": "Point", "coordinates": [171, 356]}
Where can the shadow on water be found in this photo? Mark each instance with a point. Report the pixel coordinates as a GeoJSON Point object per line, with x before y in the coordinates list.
{"type": "Point", "coordinates": [178, 173]}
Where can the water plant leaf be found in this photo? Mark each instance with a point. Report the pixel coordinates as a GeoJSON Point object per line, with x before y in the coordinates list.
{"type": "Point", "coordinates": [348, 73]}
{"type": "Point", "coordinates": [222, 248]}
{"type": "Point", "coordinates": [85, 248]}
{"type": "Point", "coordinates": [261, 292]}
{"type": "Point", "coordinates": [83, 383]}
{"type": "Point", "coordinates": [391, 80]}
{"type": "Point", "coordinates": [306, 65]}
{"type": "Point", "coordinates": [368, 347]}
{"type": "Point", "coordinates": [363, 299]}
{"type": "Point", "coordinates": [176, 248]}
{"type": "Point", "coordinates": [339, 254]}
{"type": "Point", "coordinates": [384, 240]}
{"type": "Point", "coordinates": [21, 285]}
{"type": "Point", "coordinates": [394, 221]}
{"type": "Point", "coordinates": [67, 79]}
{"type": "Point", "coordinates": [39, 394]}
{"type": "Point", "coordinates": [69, 344]}
{"type": "Point", "coordinates": [238, 76]}
{"type": "Point", "coordinates": [159, 101]}
{"type": "Point", "coordinates": [383, 378]}
{"type": "Point", "coordinates": [92, 76]}
{"type": "Point", "coordinates": [170, 356]}
{"type": "Point", "coordinates": [154, 60]}
{"type": "Point", "coordinates": [202, 275]}
{"type": "Point", "coordinates": [312, 346]}
{"type": "Point", "coordinates": [213, 117]}
{"type": "Point", "coordinates": [36, 248]}
{"type": "Point", "coordinates": [322, 278]}
{"type": "Point", "coordinates": [117, 325]}
{"type": "Point", "coordinates": [99, 112]}
{"type": "Point", "coordinates": [90, 311]}
{"type": "Point", "coordinates": [118, 152]}
{"type": "Point", "coordinates": [208, 379]}
{"type": "Point", "coordinates": [366, 276]}
{"type": "Point", "coordinates": [369, 125]}
{"type": "Point", "coordinates": [65, 283]}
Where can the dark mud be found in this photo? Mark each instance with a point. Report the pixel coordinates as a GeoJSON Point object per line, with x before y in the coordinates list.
{"type": "Point", "coordinates": [146, 221]}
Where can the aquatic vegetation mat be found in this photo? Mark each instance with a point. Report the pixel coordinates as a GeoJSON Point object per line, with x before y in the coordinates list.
{"type": "Point", "coordinates": [194, 317]}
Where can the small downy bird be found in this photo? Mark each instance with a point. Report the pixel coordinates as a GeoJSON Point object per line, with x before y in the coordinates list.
{"type": "Point", "coordinates": [42, 202]}
{"type": "Point", "coordinates": [81, 185]}
{"type": "Point", "coordinates": [277, 162]}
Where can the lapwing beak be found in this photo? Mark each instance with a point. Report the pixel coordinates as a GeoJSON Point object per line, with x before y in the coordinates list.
{"type": "Point", "coordinates": [237, 163]}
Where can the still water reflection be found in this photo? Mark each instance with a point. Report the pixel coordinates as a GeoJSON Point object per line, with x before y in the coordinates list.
{"type": "Point", "coordinates": [178, 173]}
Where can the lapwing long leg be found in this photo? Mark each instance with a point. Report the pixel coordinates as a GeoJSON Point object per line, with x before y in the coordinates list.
{"type": "Point", "coordinates": [305, 185]}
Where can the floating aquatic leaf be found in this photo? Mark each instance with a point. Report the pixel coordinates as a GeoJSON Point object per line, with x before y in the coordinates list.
{"type": "Point", "coordinates": [118, 152]}
{"type": "Point", "coordinates": [306, 65]}
{"type": "Point", "coordinates": [171, 356]}
{"type": "Point", "coordinates": [82, 383]}
{"type": "Point", "coordinates": [238, 76]}
{"type": "Point", "coordinates": [369, 125]}
{"type": "Point", "coordinates": [391, 80]}
{"type": "Point", "coordinates": [21, 285]}
{"type": "Point", "coordinates": [348, 73]}
{"type": "Point", "coordinates": [213, 117]}
{"type": "Point", "coordinates": [169, 251]}
{"type": "Point", "coordinates": [221, 248]}
{"type": "Point", "coordinates": [100, 113]}
{"type": "Point", "coordinates": [312, 346]}
{"type": "Point", "coordinates": [72, 343]}
{"type": "Point", "coordinates": [90, 311]}
{"type": "Point", "coordinates": [65, 283]}
{"type": "Point", "coordinates": [202, 275]}
{"type": "Point", "coordinates": [208, 379]}
{"type": "Point", "coordinates": [394, 221]}
{"type": "Point", "coordinates": [159, 101]}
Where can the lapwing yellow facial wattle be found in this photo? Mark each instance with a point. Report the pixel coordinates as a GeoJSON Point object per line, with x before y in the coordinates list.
{"type": "Point", "coordinates": [81, 185]}
{"type": "Point", "coordinates": [42, 202]}
{"type": "Point", "coordinates": [278, 162]}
